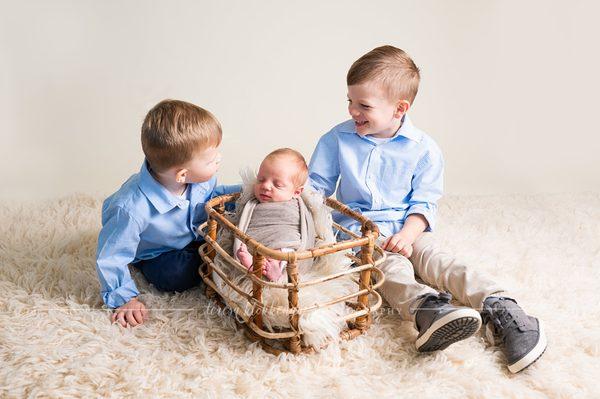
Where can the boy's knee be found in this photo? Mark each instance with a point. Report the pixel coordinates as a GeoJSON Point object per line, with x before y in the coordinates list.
{"type": "Point", "coordinates": [180, 279]}
{"type": "Point", "coordinates": [177, 271]}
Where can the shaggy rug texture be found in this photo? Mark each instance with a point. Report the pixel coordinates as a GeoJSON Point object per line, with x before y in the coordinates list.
{"type": "Point", "coordinates": [56, 339]}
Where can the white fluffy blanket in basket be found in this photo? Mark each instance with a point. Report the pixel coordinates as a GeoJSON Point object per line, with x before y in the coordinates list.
{"type": "Point", "coordinates": [318, 326]}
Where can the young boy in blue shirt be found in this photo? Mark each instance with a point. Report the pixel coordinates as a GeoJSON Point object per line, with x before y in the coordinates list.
{"type": "Point", "coordinates": [151, 220]}
{"type": "Point", "coordinates": [392, 172]}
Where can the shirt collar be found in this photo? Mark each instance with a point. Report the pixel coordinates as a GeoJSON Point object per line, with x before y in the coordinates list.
{"type": "Point", "coordinates": [407, 130]}
{"type": "Point", "coordinates": [156, 193]}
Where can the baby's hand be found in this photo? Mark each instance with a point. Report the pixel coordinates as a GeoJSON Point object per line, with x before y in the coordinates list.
{"type": "Point", "coordinates": [272, 269]}
{"type": "Point", "coordinates": [398, 244]}
{"type": "Point", "coordinates": [133, 313]}
{"type": "Point", "coordinates": [244, 256]}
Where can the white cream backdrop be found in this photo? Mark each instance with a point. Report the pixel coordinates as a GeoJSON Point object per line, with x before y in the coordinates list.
{"type": "Point", "coordinates": [509, 88]}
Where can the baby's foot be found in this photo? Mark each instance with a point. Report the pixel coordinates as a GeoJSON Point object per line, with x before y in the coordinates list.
{"type": "Point", "coordinates": [244, 256]}
{"type": "Point", "coordinates": [272, 269]}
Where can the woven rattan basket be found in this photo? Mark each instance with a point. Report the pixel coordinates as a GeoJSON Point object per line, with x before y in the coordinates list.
{"type": "Point", "coordinates": [364, 301]}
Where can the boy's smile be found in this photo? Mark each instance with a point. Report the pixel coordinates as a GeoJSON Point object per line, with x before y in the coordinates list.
{"type": "Point", "coordinates": [373, 112]}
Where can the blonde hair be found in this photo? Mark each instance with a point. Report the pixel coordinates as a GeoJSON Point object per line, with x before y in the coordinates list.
{"type": "Point", "coordinates": [173, 131]}
{"type": "Point", "coordinates": [302, 174]}
{"type": "Point", "coordinates": [390, 67]}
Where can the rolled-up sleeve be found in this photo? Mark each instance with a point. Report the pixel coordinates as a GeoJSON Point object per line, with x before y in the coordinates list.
{"type": "Point", "coordinates": [427, 186]}
{"type": "Point", "coordinates": [324, 168]}
{"type": "Point", "coordinates": [117, 245]}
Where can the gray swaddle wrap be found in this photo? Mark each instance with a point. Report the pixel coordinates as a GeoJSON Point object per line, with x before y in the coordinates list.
{"type": "Point", "coordinates": [278, 225]}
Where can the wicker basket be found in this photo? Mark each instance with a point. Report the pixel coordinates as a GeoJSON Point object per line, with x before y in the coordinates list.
{"type": "Point", "coordinates": [367, 300]}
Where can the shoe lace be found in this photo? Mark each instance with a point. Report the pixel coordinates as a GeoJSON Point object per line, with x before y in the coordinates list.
{"type": "Point", "coordinates": [501, 317]}
{"type": "Point", "coordinates": [443, 298]}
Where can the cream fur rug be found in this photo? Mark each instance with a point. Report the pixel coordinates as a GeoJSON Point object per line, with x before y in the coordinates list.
{"type": "Point", "coordinates": [56, 339]}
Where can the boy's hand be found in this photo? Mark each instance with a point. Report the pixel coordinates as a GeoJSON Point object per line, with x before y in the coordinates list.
{"type": "Point", "coordinates": [133, 313]}
{"type": "Point", "coordinates": [399, 243]}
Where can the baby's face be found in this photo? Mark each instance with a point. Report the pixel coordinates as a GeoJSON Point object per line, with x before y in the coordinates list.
{"type": "Point", "coordinates": [275, 181]}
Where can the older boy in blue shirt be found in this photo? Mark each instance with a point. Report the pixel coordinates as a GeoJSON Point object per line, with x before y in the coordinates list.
{"type": "Point", "coordinates": [151, 220]}
{"type": "Point", "coordinates": [392, 172]}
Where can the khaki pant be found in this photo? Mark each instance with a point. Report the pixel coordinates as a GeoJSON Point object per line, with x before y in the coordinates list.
{"type": "Point", "coordinates": [437, 269]}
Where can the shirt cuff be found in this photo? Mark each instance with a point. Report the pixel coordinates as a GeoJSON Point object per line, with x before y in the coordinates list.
{"type": "Point", "coordinates": [120, 296]}
{"type": "Point", "coordinates": [426, 211]}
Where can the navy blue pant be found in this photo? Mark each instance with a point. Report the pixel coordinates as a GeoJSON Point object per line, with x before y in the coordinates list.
{"type": "Point", "coordinates": [175, 270]}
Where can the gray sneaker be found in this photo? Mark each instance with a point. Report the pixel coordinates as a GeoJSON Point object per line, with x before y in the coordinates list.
{"type": "Point", "coordinates": [441, 324]}
{"type": "Point", "coordinates": [521, 337]}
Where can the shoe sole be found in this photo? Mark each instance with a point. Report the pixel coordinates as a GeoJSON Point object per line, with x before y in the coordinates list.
{"type": "Point", "coordinates": [533, 355]}
{"type": "Point", "coordinates": [453, 327]}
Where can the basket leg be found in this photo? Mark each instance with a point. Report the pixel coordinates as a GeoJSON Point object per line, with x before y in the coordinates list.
{"type": "Point", "coordinates": [212, 231]}
{"type": "Point", "coordinates": [257, 266]}
{"type": "Point", "coordinates": [363, 322]}
{"type": "Point", "coordinates": [294, 345]}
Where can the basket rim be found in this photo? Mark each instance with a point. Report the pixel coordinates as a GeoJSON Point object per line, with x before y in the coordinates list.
{"type": "Point", "coordinates": [370, 232]}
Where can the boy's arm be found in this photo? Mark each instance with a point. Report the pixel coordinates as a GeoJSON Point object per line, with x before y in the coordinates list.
{"type": "Point", "coordinates": [226, 189]}
{"type": "Point", "coordinates": [117, 244]}
{"type": "Point", "coordinates": [324, 168]}
{"type": "Point", "coordinates": [427, 187]}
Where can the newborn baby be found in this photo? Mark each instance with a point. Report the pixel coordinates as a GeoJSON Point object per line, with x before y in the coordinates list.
{"type": "Point", "coordinates": [277, 216]}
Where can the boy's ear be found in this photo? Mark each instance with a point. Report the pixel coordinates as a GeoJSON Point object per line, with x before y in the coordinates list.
{"type": "Point", "coordinates": [181, 175]}
{"type": "Point", "coordinates": [298, 190]}
{"type": "Point", "coordinates": [402, 108]}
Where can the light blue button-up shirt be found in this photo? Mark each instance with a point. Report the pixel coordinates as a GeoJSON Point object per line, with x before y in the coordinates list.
{"type": "Point", "coordinates": [386, 181]}
{"type": "Point", "coordinates": [143, 220]}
